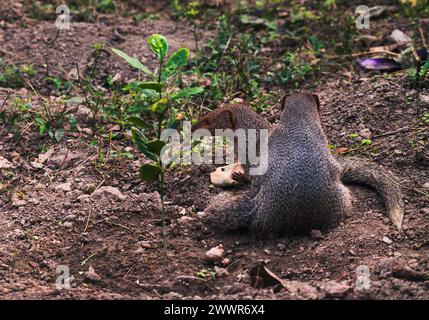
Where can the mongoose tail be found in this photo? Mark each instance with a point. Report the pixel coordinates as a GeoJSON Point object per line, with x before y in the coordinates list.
{"type": "Point", "coordinates": [231, 213]}
{"type": "Point", "coordinates": [362, 172]}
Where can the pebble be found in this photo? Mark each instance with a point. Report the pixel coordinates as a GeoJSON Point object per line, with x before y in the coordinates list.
{"type": "Point", "coordinates": [386, 240]}
{"type": "Point", "coordinates": [215, 254]}
{"type": "Point", "coordinates": [365, 133]}
{"type": "Point", "coordinates": [220, 272]}
{"type": "Point", "coordinates": [91, 275]}
{"type": "Point", "coordinates": [316, 234]}
{"type": "Point", "coordinates": [108, 190]}
{"type": "Point", "coordinates": [63, 187]}
{"type": "Point", "coordinates": [185, 219]}
{"type": "Point", "coordinates": [335, 289]}
{"type": "Point", "coordinates": [68, 224]}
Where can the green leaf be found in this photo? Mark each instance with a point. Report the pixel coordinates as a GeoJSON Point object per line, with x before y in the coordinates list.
{"type": "Point", "coordinates": [138, 122]}
{"type": "Point", "coordinates": [177, 60]}
{"type": "Point", "coordinates": [159, 45]}
{"type": "Point", "coordinates": [187, 92]}
{"type": "Point", "coordinates": [75, 100]}
{"type": "Point", "coordinates": [41, 124]}
{"type": "Point", "coordinates": [366, 142]}
{"type": "Point", "coordinates": [150, 172]}
{"type": "Point", "coordinates": [155, 146]}
{"type": "Point", "coordinates": [151, 85]}
{"type": "Point", "coordinates": [141, 141]}
{"type": "Point", "coordinates": [59, 134]}
{"type": "Point", "coordinates": [160, 105]}
{"type": "Point", "coordinates": [132, 61]}
{"type": "Point", "coordinates": [73, 122]}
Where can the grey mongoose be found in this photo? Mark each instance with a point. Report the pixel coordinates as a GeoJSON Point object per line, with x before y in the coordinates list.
{"type": "Point", "coordinates": [303, 188]}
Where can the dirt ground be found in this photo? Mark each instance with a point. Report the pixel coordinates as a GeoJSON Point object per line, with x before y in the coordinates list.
{"type": "Point", "coordinates": [49, 215]}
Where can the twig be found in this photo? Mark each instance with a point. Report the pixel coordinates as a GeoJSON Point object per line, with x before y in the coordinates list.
{"type": "Point", "coordinates": [87, 222]}
{"type": "Point", "coordinates": [128, 272]}
{"type": "Point", "coordinates": [403, 129]}
{"type": "Point", "coordinates": [87, 259]}
{"type": "Point", "coordinates": [79, 80]}
{"type": "Point", "coordinates": [422, 36]}
{"type": "Point", "coordinates": [99, 185]}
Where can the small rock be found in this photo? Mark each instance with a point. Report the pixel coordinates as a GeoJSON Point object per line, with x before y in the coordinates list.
{"type": "Point", "coordinates": [426, 185]}
{"type": "Point", "coordinates": [63, 187]}
{"type": "Point", "coordinates": [365, 133]}
{"type": "Point", "coordinates": [335, 289]}
{"type": "Point", "coordinates": [201, 214]}
{"type": "Point", "coordinates": [19, 234]}
{"type": "Point", "coordinates": [301, 289]}
{"type": "Point", "coordinates": [4, 163]}
{"type": "Point", "coordinates": [215, 254]}
{"type": "Point", "coordinates": [281, 246]}
{"type": "Point", "coordinates": [220, 272]}
{"type": "Point", "coordinates": [399, 37]}
{"type": "Point", "coordinates": [316, 234]}
{"type": "Point", "coordinates": [225, 261]}
{"type": "Point", "coordinates": [424, 99]}
{"type": "Point", "coordinates": [70, 217]}
{"type": "Point", "coordinates": [185, 219]}
{"type": "Point", "coordinates": [17, 200]}
{"type": "Point", "coordinates": [172, 296]}
{"type": "Point", "coordinates": [425, 210]}
{"type": "Point", "coordinates": [108, 190]}
{"type": "Point", "coordinates": [145, 244]}
{"type": "Point", "coordinates": [68, 224]}
{"type": "Point", "coordinates": [91, 275]}
{"type": "Point", "coordinates": [64, 158]}
{"type": "Point", "coordinates": [386, 240]}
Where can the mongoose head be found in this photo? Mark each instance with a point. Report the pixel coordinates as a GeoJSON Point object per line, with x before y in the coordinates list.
{"type": "Point", "coordinates": [221, 118]}
{"type": "Point", "coordinates": [300, 105]}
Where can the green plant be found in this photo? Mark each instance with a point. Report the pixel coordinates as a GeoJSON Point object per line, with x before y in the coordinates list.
{"type": "Point", "coordinates": [205, 274]}
{"type": "Point", "coordinates": [10, 76]}
{"type": "Point", "coordinates": [418, 74]}
{"type": "Point", "coordinates": [163, 96]}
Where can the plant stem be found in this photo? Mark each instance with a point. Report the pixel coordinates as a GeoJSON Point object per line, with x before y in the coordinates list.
{"type": "Point", "coordinates": [163, 217]}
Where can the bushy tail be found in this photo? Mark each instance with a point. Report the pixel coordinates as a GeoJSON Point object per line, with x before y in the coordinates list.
{"type": "Point", "coordinates": [363, 172]}
{"type": "Point", "coordinates": [231, 213]}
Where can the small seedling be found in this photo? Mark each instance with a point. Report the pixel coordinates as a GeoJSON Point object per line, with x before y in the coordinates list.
{"type": "Point", "coordinates": [160, 85]}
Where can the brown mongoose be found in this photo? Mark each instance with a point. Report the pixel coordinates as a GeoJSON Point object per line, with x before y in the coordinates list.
{"type": "Point", "coordinates": [232, 116]}
{"type": "Point", "coordinates": [303, 188]}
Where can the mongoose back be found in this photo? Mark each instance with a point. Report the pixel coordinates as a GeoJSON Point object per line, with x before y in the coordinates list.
{"type": "Point", "coordinates": [303, 188]}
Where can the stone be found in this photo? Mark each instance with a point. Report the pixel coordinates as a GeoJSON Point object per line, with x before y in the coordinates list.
{"type": "Point", "coordinates": [220, 272]}
{"type": "Point", "coordinates": [335, 289]}
{"type": "Point", "coordinates": [63, 187]}
{"type": "Point", "coordinates": [185, 219]}
{"type": "Point", "coordinates": [386, 240]}
{"type": "Point", "coordinates": [4, 163]}
{"type": "Point", "coordinates": [365, 133]}
{"type": "Point", "coordinates": [215, 254]}
{"type": "Point", "coordinates": [107, 190]}
{"type": "Point", "coordinates": [91, 275]}
{"type": "Point", "coordinates": [316, 234]}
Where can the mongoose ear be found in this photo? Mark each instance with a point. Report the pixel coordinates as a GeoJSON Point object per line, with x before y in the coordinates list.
{"type": "Point", "coordinates": [228, 117]}
{"type": "Point", "coordinates": [317, 101]}
{"type": "Point", "coordinates": [282, 103]}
